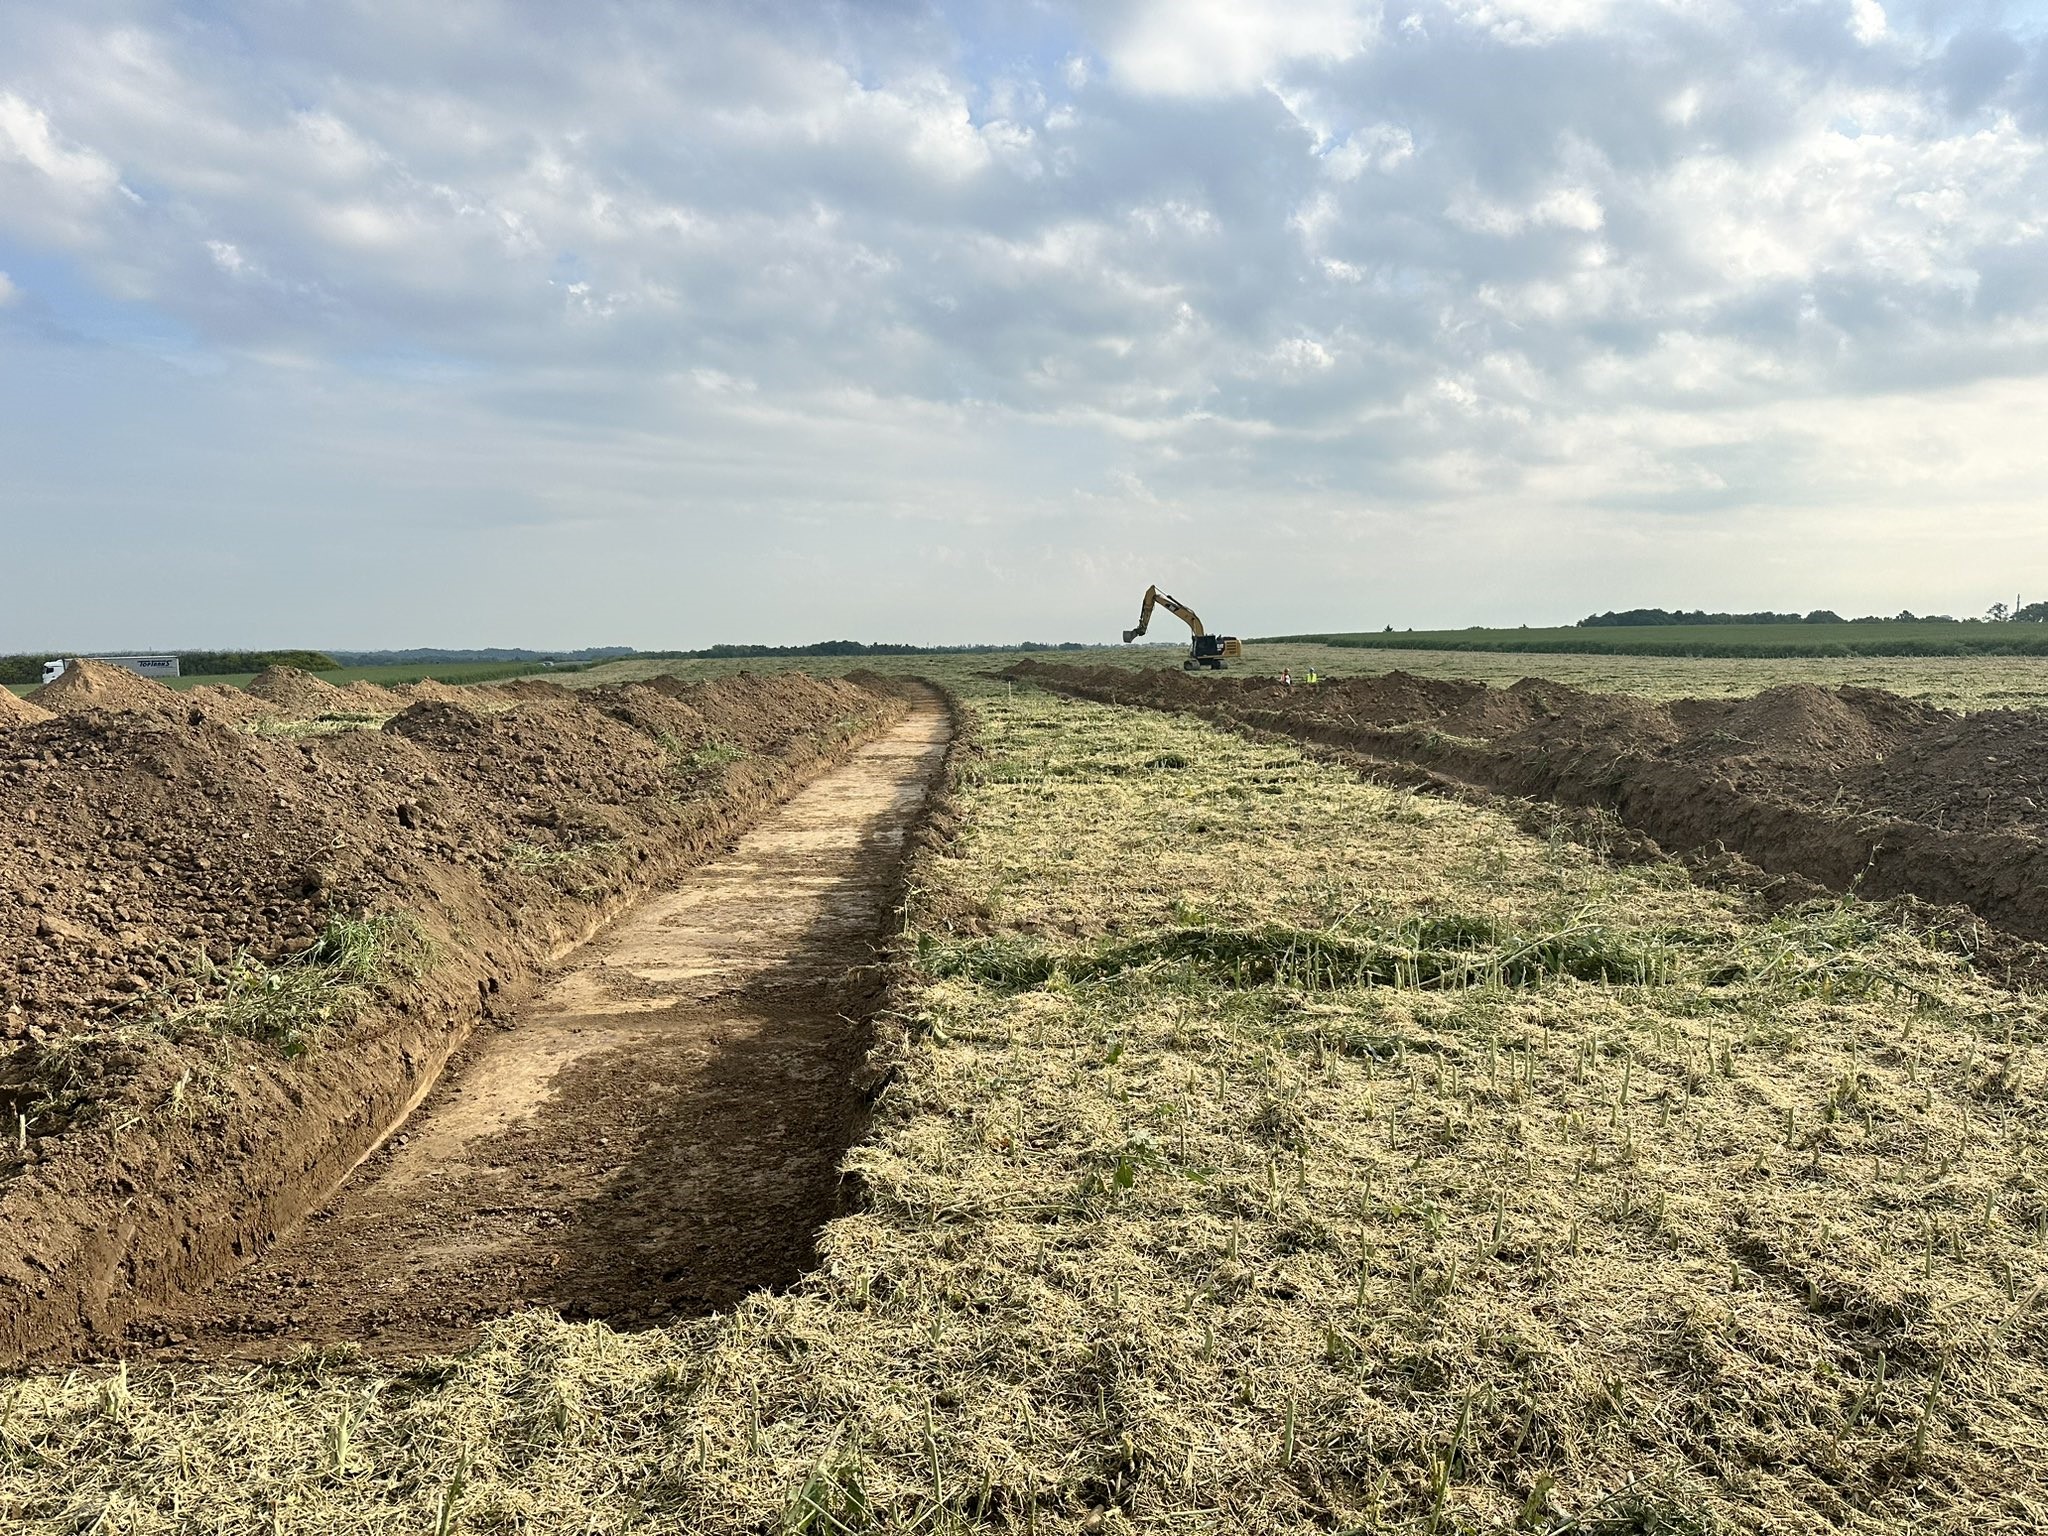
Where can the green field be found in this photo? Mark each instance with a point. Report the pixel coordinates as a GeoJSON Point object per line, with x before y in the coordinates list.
{"type": "Point", "coordinates": [1762, 640]}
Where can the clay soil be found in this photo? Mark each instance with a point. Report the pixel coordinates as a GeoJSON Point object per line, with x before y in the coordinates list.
{"type": "Point", "coordinates": [168, 858]}
{"type": "Point", "coordinates": [1846, 787]}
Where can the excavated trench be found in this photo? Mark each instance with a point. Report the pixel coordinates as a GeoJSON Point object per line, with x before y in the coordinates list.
{"type": "Point", "coordinates": [655, 1135]}
{"type": "Point", "coordinates": [1842, 789]}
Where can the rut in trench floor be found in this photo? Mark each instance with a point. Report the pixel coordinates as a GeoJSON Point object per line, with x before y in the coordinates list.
{"type": "Point", "coordinates": [657, 1134]}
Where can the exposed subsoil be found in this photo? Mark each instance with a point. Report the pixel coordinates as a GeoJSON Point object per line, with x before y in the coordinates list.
{"type": "Point", "coordinates": [162, 850]}
{"type": "Point", "coordinates": [657, 1133]}
{"type": "Point", "coordinates": [1846, 787]}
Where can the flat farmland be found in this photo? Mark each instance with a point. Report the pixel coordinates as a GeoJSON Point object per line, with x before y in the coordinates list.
{"type": "Point", "coordinates": [1260, 1146]}
{"type": "Point", "coordinates": [1960, 683]}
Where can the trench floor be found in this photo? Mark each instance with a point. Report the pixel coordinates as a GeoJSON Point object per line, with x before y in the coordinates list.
{"type": "Point", "coordinates": [655, 1135]}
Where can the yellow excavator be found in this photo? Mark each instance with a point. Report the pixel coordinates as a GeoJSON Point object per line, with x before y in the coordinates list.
{"type": "Point", "coordinates": [1206, 650]}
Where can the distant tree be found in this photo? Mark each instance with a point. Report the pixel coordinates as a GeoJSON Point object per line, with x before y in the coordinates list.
{"type": "Point", "coordinates": [1998, 613]}
{"type": "Point", "coordinates": [2033, 613]}
{"type": "Point", "coordinates": [1906, 616]}
{"type": "Point", "coordinates": [1823, 616]}
{"type": "Point", "coordinates": [1634, 618]}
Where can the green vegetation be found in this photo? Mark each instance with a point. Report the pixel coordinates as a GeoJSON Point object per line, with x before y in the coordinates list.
{"type": "Point", "coordinates": [1634, 617]}
{"type": "Point", "coordinates": [1862, 637]}
{"type": "Point", "coordinates": [289, 1004]}
{"type": "Point", "coordinates": [1266, 1151]}
{"type": "Point", "coordinates": [331, 724]}
{"type": "Point", "coordinates": [695, 759]}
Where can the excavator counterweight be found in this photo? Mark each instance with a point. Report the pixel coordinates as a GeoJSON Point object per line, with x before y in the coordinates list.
{"type": "Point", "coordinates": [1205, 649]}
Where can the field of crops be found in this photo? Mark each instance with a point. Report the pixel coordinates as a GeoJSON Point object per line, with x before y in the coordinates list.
{"type": "Point", "coordinates": [1452, 1177]}
{"type": "Point", "coordinates": [1875, 638]}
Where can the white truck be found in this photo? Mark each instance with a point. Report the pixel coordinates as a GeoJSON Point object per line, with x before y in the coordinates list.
{"type": "Point", "coordinates": [149, 666]}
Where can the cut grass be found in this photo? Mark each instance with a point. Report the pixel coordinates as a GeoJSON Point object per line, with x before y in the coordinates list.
{"type": "Point", "coordinates": [701, 757]}
{"type": "Point", "coordinates": [1232, 1235]}
{"type": "Point", "coordinates": [290, 1004]}
{"type": "Point", "coordinates": [287, 1005]}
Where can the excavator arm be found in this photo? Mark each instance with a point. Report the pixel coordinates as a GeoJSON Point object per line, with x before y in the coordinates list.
{"type": "Point", "coordinates": [1179, 609]}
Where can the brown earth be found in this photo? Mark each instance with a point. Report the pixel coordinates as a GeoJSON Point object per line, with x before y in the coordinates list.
{"type": "Point", "coordinates": [15, 710]}
{"type": "Point", "coordinates": [1848, 787]}
{"type": "Point", "coordinates": [656, 1134]}
{"type": "Point", "coordinates": [296, 692]}
{"type": "Point", "coordinates": [371, 698]}
{"type": "Point", "coordinates": [96, 685]}
{"type": "Point", "coordinates": [155, 862]}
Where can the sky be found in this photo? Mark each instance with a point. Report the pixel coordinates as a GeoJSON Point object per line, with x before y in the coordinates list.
{"type": "Point", "coordinates": [504, 322]}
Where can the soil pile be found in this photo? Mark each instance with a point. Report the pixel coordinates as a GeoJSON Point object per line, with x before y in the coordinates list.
{"type": "Point", "coordinates": [227, 704]}
{"type": "Point", "coordinates": [15, 710]}
{"type": "Point", "coordinates": [153, 862]}
{"type": "Point", "coordinates": [88, 684]}
{"type": "Point", "coordinates": [427, 688]}
{"type": "Point", "coordinates": [370, 698]}
{"type": "Point", "coordinates": [298, 693]}
{"type": "Point", "coordinates": [1846, 786]}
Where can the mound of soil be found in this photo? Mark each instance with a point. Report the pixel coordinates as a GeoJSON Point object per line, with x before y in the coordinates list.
{"type": "Point", "coordinates": [229, 705]}
{"type": "Point", "coordinates": [427, 688]}
{"type": "Point", "coordinates": [88, 684]}
{"type": "Point", "coordinates": [297, 693]}
{"type": "Point", "coordinates": [368, 698]}
{"type": "Point", "coordinates": [147, 852]}
{"type": "Point", "coordinates": [533, 688]}
{"type": "Point", "coordinates": [1843, 786]}
{"type": "Point", "coordinates": [15, 710]}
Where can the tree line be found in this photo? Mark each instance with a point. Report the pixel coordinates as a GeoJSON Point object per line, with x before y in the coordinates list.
{"type": "Point", "coordinates": [1644, 618]}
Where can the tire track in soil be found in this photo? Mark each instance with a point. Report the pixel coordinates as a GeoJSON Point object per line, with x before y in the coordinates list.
{"type": "Point", "coordinates": [655, 1135]}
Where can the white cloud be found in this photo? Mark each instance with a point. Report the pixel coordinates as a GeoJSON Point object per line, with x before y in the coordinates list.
{"type": "Point", "coordinates": [1221, 47]}
{"type": "Point", "coordinates": [1516, 257]}
{"type": "Point", "coordinates": [26, 138]}
{"type": "Point", "coordinates": [1378, 147]}
{"type": "Point", "coordinates": [8, 292]}
{"type": "Point", "coordinates": [1303, 354]}
{"type": "Point", "coordinates": [1573, 208]}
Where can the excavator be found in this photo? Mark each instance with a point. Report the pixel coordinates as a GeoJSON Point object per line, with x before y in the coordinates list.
{"type": "Point", "coordinates": [1206, 650]}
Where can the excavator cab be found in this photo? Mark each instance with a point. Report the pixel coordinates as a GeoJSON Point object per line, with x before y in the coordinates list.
{"type": "Point", "coordinates": [1204, 650]}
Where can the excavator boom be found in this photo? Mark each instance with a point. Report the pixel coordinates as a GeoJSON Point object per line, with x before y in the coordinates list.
{"type": "Point", "coordinates": [1172, 605]}
{"type": "Point", "coordinates": [1204, 649]}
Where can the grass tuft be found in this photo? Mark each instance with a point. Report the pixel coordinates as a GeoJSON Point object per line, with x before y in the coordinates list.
{"type": "Point", "coordinates": [289, 1004]}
